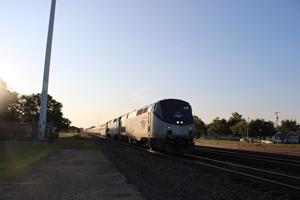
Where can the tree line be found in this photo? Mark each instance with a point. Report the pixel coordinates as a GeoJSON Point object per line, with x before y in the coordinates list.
{"type": "Point", "coordinates": [237, 125]}
{"type": "Point", "coordinates": [25, 108]}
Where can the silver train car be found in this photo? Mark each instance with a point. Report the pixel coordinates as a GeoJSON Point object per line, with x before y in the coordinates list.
{"type": "Point", "coordinates": [166, 125]}
{"type": "Point", "coordinates": [101, 130]}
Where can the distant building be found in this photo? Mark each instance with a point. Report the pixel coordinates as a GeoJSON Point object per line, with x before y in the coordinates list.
{"type": "Point", "coordinates": [292, 138]}
{"type": "Point", "coordinates": [74, 129]}
{"type": "Point", "coordinates": [278, 137]}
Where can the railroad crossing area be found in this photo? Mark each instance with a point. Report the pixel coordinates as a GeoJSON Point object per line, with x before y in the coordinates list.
{"type": "Point", "coordinates": [71, 174]}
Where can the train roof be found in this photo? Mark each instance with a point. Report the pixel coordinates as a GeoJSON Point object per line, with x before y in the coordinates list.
{"type": "Point", "coordinates": [171, 100]}
{"type": "Point", "coordinates": [162, 100]}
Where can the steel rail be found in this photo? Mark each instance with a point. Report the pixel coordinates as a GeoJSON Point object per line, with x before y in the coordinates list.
{"type": "Point", "coordinates": [187, 160]}
{"type": "Point", "coordinates": [233, 171]}
{"type": "Point", "coordinates": [249, 175]}
{"type": "Point", "coordinates": [245, 167]}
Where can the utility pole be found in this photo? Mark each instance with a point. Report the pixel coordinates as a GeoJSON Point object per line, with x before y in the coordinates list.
{"type": "Point", "coordinates": [44, 94]}
{"type": "Point", "coordinates": [277, 118]}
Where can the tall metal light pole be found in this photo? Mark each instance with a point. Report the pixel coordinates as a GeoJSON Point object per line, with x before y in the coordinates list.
{"type": "Point", "coordinates": [277, 119]}
{"type": "Point", "coordinates": [44, 95]}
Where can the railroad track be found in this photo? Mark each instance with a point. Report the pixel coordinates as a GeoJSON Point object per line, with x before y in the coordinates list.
{"type": "Point", "coordinates": [280, 165]}
{"type": "Point", "coordinates": [281, 181]}
{"type": "Point", "coordinates": [254, 156]}
{"type": "Point", "coordinates": [277, 171]}
{"type": "Point", "coordinates": [289, 182]}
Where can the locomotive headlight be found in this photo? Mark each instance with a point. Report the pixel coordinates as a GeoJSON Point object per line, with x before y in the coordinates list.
{"type": "Point", "coordinates": [181, 122]}
{"type": "Point", "coordinates": [177, 122]}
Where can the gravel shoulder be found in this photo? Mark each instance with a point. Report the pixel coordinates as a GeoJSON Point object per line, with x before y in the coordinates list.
{"type": "Point", "coordinates": [159, 178]}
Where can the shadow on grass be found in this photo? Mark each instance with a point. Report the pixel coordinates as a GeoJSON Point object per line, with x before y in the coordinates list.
{"type": "Point", "coordinates": [15, 158]}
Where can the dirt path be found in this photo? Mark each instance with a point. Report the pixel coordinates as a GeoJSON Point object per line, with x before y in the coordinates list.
{"type": "Point", "coordinates": [70, 174]}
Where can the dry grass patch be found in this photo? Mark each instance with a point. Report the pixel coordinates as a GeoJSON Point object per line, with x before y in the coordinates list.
{"type": "Point", "coordinates": [288, 149]}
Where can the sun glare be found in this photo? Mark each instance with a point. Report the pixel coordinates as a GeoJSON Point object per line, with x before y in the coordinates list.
{"type": "Point", "coordinates": [9, 75]}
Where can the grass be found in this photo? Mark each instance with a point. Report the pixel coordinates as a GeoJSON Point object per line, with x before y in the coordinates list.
{"type": "Point", "coordinates": [15, 158]}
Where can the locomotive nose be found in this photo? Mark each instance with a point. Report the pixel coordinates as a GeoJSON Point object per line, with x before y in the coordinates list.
{"type": "Point", "coordinates": [169, 131]}
{"type": "Point", "coordinates": [179, 131]}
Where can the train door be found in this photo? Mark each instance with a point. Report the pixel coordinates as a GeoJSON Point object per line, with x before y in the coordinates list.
{"type": "Point", "coordinates": [149, 125]}
{"type": "Point", "coordinates": [119, 126]}
{"type": "Point", "coordinates": [106, 129]}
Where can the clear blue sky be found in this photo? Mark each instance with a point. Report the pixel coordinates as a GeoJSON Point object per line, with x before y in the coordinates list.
{"type": "Point", "coordinates": [110, 57]}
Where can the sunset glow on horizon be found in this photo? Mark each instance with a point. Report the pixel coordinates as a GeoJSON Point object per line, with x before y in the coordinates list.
{"type": "Point", "coordinates": [111, 57]}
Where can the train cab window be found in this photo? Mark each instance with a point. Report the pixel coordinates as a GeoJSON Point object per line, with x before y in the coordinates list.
{"type": "Point", "coordinates": [145, 109]}
{"type": "Point", "coordinates": [157, 111]}
{"type": "Point", "coordinates": [154, 107]}
{"type": "Point", "coordinates": [172, 111]}
{"type": "Point", "coordinates": [150, 107]}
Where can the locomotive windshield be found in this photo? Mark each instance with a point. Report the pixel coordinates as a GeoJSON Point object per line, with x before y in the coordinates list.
{"type": "Point", "coordinates": [175, 112]}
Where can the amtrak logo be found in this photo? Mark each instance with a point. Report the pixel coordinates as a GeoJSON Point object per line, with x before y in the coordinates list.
{"type": "Point", "coordinates": [143, 123]}
{"type": "Point", "coordinates": [178, 116]}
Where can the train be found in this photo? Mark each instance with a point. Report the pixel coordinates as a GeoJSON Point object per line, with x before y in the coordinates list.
{"type": "Point", "coordinates": [166, 125]}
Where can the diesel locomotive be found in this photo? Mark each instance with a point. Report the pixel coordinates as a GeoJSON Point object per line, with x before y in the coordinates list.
{"type": "Point", "coordinates": [166, 125]}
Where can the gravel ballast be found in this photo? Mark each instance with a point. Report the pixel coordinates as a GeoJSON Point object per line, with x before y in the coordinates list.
{"type": "Point", "coordinates": [159, 178]}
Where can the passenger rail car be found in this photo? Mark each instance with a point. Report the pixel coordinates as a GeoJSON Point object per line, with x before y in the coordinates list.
{"type": "Point", "coordinates": [166, 125]}
{"type": "Point", "coordinates": [101, 130]}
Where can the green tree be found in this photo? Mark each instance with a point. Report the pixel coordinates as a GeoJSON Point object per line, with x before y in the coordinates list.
{"type": "Point", "coordinates": [260, 127]}
{"type": "Point", "coordinates": [237, 124]}
{"type": "Point", "coordinates": [200, 127]}
{"type": "Point", "coordinates": [239, 128]}
{"type": "Point", "coordinates": [288, 125]}
{"type": "Point", "coordinates": [218, 127]}
{"type": "Point", "coordinates": [30, 106]}
{"type": "Point", "coordinates": [235, 118]}
{"type": "Point", "coordinates": [9, 111]}
{"type": "Point", "coordinates": [25, 108]}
